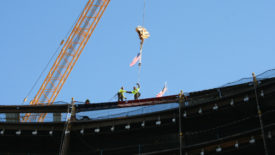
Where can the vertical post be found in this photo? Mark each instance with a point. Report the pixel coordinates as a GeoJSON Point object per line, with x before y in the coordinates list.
{"type": "Point", "coordinates": [259, 112]}
{"type": "Point", "coordinates": [12, 117]}
{"type": "Point", "coordinates": [181, 100]}
{"type": "Point", "coordinates": [56, 117]}
{"type": "Point", "coordinates": [65, 139]}
{"type": "Point", "coordinates": [73, 111]}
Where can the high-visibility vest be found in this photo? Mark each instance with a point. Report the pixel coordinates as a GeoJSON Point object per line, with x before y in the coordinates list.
{"type": "Point", "coordinates": [135, 91]}
{"type": "Point", "coordinates": [121, 91]}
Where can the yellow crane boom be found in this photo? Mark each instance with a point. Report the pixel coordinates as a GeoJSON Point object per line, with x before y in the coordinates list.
{"type": "Point", "coordinates": [68, 56]}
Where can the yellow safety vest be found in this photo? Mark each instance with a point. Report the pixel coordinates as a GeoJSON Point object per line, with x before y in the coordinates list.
{"type": "Point", "coordinates": [122, 91]}
{"type": "Point", "coordinates": [135, 91]}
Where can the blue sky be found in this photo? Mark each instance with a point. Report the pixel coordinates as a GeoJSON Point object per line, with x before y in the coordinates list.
{"type": "Point", "coordinates": [194, 45]}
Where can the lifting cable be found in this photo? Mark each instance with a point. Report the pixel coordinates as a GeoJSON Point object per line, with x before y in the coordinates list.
{"type": "Point", "coordinates": [139, 64]}
{"type": "Point", "coordinates": [143, 34]}
{"type": "Point", "coordinates": [43, 71]}
{"type": "Point", "coordinates": [54, 54]}
{"type": "Point", "coordinates": [143, 13]}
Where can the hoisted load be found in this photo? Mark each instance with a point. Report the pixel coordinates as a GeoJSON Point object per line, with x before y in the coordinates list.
{"type": "Point", "coordinates": [142, 33]}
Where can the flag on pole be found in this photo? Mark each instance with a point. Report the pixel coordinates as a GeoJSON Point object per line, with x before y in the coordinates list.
{"type": "Point", "coordinates": [161, 93]}
{"type": "Point", "coordinates": [135, 60]}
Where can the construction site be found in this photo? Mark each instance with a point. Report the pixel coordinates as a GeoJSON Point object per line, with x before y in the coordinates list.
{"type": "Point", "coordinates": [233, 118]}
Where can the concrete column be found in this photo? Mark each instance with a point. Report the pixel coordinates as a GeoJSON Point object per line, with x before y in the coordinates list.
{"type": "Point", "coordinates": [12, 117]}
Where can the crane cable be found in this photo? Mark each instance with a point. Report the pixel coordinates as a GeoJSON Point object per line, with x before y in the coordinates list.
{"type": "Point", "coordinates": [143, 16]}
{"type": "Point", "coordinates": [139, 64]}
{"type": "Point", "coordinates": [45, 68]}
{"type": "Point", "coordinates": [39, 77]}
{"type": "Point", "coordinates": [141, 42]}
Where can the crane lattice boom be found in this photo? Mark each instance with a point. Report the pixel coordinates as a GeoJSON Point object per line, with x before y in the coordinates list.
{"type": "Point", "coordinates": [68, 55]}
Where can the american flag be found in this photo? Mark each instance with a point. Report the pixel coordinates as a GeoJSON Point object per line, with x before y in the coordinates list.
{"type": "Point", "coordinates": [135, 60]}
{"type": "Point", "coordinates": [161, 93]}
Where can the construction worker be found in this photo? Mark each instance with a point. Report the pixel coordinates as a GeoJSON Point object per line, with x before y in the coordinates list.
{"type": "Point", "coordinates": [87, 102]}
{"type": "Point", "coordinates": [120, 94]}
{"type": "Point", "coordinates": [136, 92]}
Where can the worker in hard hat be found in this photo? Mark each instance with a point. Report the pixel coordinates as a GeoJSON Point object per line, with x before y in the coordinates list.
{"type": "Point", "coordinates": [120, 94]}
{"type": "Point", "coordinates": [136, 91]}
{"type": "Point", "coordinates": [87, 102]}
